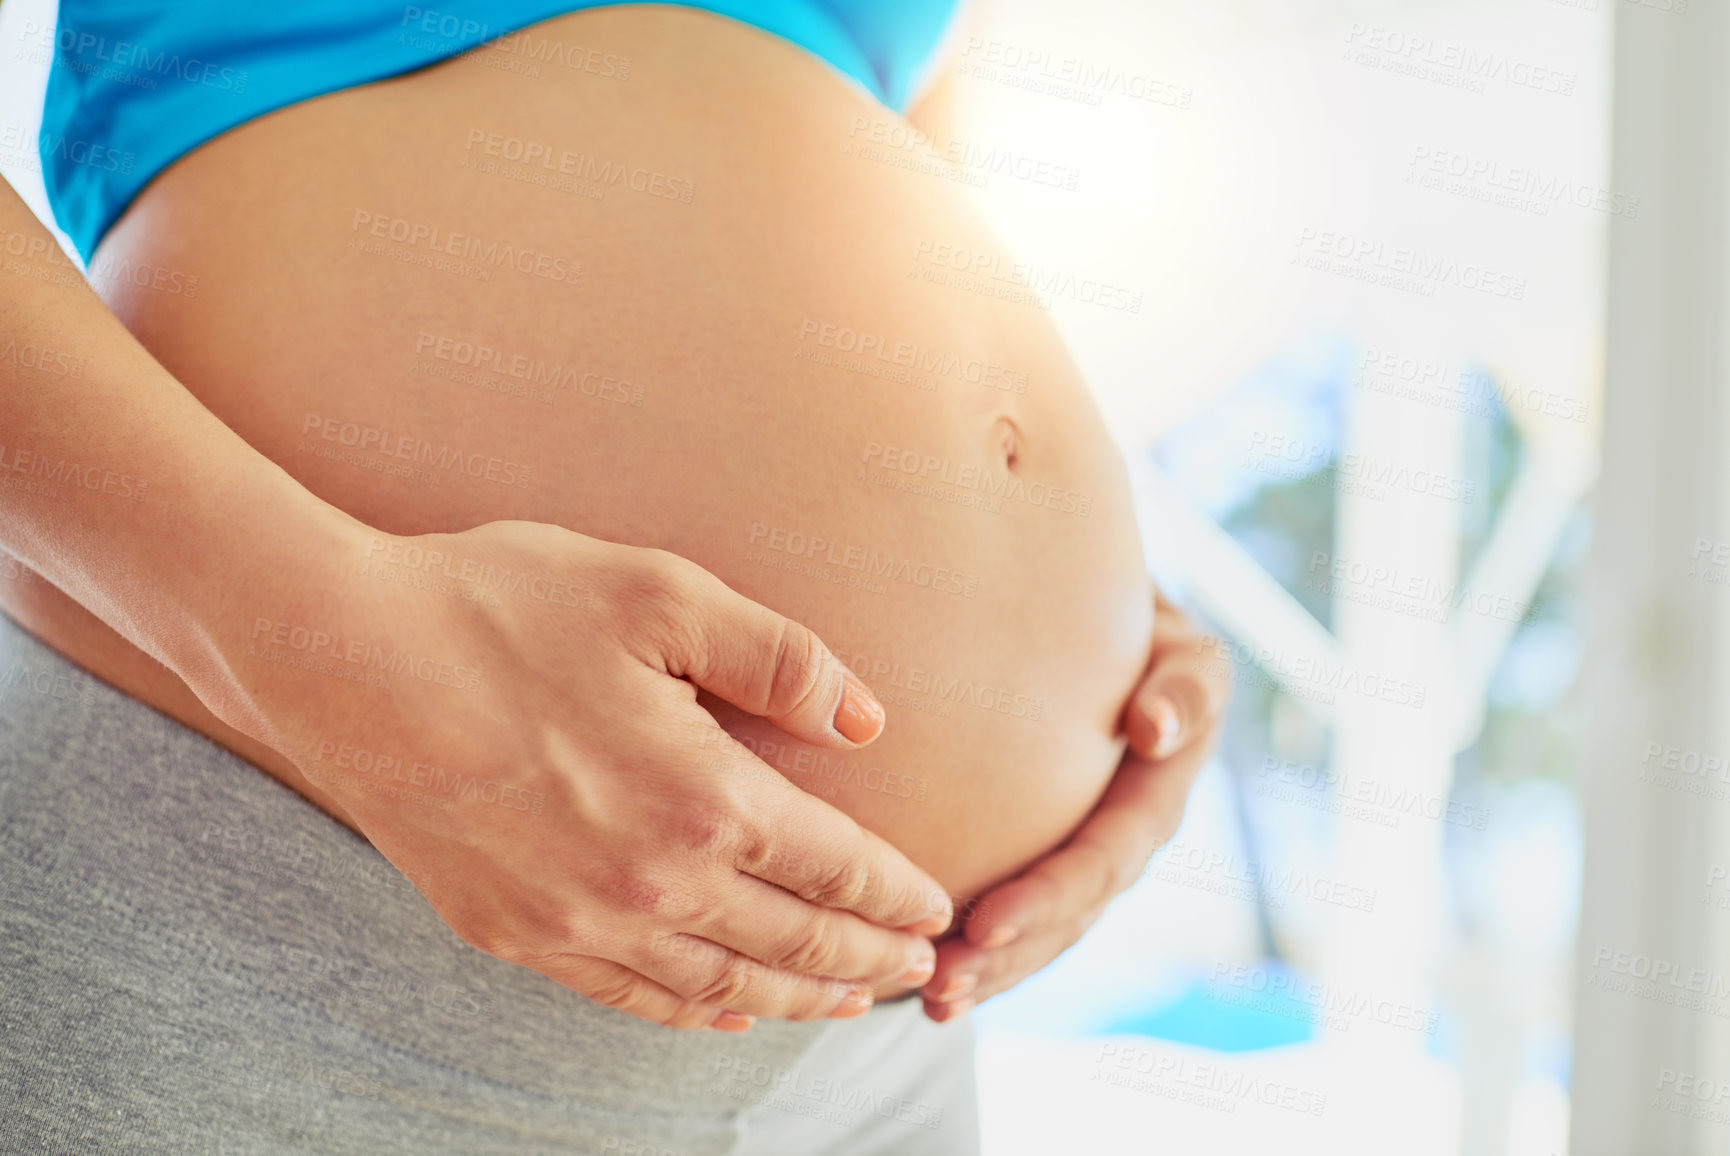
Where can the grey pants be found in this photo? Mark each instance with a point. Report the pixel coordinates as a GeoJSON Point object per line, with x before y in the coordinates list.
{"type": "Point", "coordinates": [194, 959]}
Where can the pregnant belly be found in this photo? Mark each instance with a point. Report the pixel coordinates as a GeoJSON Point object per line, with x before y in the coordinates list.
{"type": "Point", "coordinates": [682, 309]}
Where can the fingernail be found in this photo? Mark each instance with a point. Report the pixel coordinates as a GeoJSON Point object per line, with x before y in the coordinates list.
{"type": "Point", "coordinates": [1002, 936]}
{"type": "Point", "coordinates": [932, 925]}
{"type": "Point", "coordinates": [921, 971]}
{"type": "Point", "coordinates": [939, 923]}
{"type": "Point", "coordinates": [857, 1003]}
{"type": "Point", "coordinates": [732, 1022]}
{"type": "Point", "coordinates": [859, 718]}
{"type": "Point", "coordinates": [958, 986]}
{"type": "Point", "coordinates": [1169, 726]}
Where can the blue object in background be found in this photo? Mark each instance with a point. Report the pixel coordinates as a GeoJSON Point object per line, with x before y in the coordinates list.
{"type": "Point", "coordinates": [1205, 1015]}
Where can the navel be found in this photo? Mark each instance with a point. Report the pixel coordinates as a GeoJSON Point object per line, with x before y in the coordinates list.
{"type": "Point", "coordinates": [1006, 436]}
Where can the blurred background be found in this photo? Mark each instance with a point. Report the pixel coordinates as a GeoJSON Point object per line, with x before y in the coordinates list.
{"type": "Point", "coordinates": [1375, 255]}
{"type": "Point", "coordinates": [1363, 401]}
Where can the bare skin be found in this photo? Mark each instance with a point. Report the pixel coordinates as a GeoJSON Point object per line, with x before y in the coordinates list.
{"type": "Point", "coordinates": [1011, 644]}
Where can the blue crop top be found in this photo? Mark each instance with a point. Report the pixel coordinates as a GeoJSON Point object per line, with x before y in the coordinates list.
{"type": "Point", "coordinates": [136, 84]}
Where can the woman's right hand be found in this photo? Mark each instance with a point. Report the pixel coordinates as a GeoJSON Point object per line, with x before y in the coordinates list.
{"type": "Point", "coordinates": [541, 768]}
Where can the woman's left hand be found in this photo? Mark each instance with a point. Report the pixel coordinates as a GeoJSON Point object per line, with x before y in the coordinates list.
{"type": "Point", "coordinates": [1172, 723]}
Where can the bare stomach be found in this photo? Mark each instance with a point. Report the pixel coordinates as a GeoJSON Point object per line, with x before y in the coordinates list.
{"type": "Point", "coordinates": [682, 310]}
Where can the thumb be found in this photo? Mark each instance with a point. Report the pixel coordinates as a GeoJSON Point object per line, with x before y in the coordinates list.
{"type": "Point", "coordinates": [1163, 715]}
{"type": "Point", "coordinates": [766, 664]}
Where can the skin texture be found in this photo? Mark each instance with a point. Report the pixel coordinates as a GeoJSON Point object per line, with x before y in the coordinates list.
{"type": "Point", "coordinates": [1173, 723]}
{"type": "Point", "coordinates": [1007, 644]}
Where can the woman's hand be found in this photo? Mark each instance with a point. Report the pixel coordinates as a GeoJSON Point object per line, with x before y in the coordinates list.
{"type": "Point", "coordinates": [509, 714]}
{"type": "Point", "coordinates": [1172, 723]}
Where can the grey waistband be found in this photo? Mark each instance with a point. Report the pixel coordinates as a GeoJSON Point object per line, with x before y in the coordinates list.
{"type": "Point", "coordinates": [193, 958]}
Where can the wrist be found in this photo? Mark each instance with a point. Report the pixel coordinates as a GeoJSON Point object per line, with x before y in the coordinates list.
{"type": "Point", "coordinates": [289, 575]}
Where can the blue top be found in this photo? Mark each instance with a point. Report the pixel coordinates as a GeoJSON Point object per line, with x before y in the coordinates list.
{"type": "Point", "coordinates": [136, 84]}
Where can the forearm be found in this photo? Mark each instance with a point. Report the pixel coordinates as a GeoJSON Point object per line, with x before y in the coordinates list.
{"type": "Point", "coordinates": [121, 489]}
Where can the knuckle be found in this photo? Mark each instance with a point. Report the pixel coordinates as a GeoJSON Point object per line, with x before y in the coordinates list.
{"type": "Point", "coordinates": [708, 829]}
{"type": "Point", "coordinates": [691, 952]}
{"type": "Point", "coordinates": [844, 885]}
{"type": "Point", "coordinates": [814, 948]}
{"type": "Point", "coordinates": [800, 673]}
{"type": "Point", "coordinates": [618, 989]}
{"type": "Point", "coordinates": [728, 983]}
{"type": "Point", "coordinates": [657, 589]}
{"type": "Point", "coordinates": [634, 889]}
{"type": "Point", "coordinates": [659, 574]}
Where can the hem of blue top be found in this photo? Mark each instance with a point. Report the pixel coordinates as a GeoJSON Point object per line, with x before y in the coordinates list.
{"type": "Point", "coordinates": [89, 209]}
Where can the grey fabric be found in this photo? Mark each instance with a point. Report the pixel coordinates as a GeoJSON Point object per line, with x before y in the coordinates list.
{"type": "Point", "coordinates": [194, 959]}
